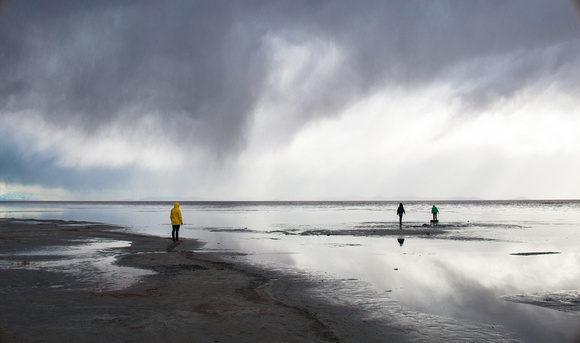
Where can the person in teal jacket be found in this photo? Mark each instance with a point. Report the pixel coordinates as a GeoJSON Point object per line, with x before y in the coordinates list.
{"type": "Point", "coordinates": [434, 210]}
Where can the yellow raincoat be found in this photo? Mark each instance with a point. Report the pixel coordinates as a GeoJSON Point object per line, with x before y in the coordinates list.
{"type": "Point", "coordinates": [176, 215]}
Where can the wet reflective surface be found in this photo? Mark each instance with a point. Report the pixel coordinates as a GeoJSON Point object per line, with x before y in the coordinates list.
{"type": "Point", "coordinates": [92, 262]}
{"type": "Point", "coordinates": [480, 265]}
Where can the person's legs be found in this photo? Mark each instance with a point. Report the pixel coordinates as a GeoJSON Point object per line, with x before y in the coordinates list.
{"type": "Point", "coordinates": [177, 233]}
{"type": "Point", "coordinates": [400, 219]}
{"type": "Point", "coordinates": [174, 232]}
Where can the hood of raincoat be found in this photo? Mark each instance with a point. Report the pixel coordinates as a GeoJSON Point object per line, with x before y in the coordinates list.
{"type": "Point", "coordinates": [176, 205]}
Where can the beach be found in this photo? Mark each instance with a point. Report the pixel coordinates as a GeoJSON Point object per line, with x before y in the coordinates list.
{"type": "Point", "coordinates": [188, 298]}
{"type": "Point", "coordinates": [70, 280]}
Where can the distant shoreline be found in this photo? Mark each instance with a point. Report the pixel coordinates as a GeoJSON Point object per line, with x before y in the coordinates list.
{"type": "Point", "coordinates": [303, 202]}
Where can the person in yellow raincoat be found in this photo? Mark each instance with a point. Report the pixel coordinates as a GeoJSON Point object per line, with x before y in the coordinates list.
{"type": "Point", "coordinates": [176, 221]}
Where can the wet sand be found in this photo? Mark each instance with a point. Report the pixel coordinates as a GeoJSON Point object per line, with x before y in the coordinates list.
{"type": "Point", "coordinates": [192, 296]}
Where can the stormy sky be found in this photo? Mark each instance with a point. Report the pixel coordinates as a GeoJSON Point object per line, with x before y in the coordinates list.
{"type": "Point", "coordinates": [289, 100]}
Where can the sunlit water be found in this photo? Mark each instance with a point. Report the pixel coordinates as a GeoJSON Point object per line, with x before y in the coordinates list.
{"type": "Point", "coordinates": [466, 273]}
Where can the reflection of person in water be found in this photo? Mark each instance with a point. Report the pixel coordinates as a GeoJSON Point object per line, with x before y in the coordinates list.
{"type": "Point", "coordinates": [400, 212]}
{"type": "Point", "coordinates": [401, 240]}
{"type": "Point", "coordinates": [434, 210]}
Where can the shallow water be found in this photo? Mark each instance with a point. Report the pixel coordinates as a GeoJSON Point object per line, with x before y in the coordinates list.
{"type": "Point", "coordinates": [468, 273]}
{"type": "Point", "coordinates": [92, 262]}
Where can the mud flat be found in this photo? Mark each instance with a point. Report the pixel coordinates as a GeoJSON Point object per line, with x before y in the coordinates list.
{"type": "Point", "coordinates": [63, 281]}
{"type": "Point", "coordinates": [188, 298]}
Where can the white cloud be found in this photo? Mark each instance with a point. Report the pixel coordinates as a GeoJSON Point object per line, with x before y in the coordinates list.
{"type": "Point", "coordinates": [137, 142]}
{"type": "Point", "coordinates": [37, 192]}
{"type": "Point", "coordinates": [412, 143]}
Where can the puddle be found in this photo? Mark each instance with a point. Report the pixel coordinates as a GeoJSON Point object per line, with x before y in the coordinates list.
{"type": "Point", "coordinates": [92, 263]}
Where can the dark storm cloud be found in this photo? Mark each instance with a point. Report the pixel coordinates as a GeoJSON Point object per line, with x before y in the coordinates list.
{"type": "Point", "coordinates": [203, 66]}
{"type": "Point", "coordinates": [90, 64]}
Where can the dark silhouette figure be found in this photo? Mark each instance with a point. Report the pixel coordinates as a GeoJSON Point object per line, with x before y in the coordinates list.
{"type": "Point", "coordinates": [400, 212]}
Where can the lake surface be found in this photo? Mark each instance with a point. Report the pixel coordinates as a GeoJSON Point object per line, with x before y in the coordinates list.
{"type": "Point", "coordinates": [495, 264]}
